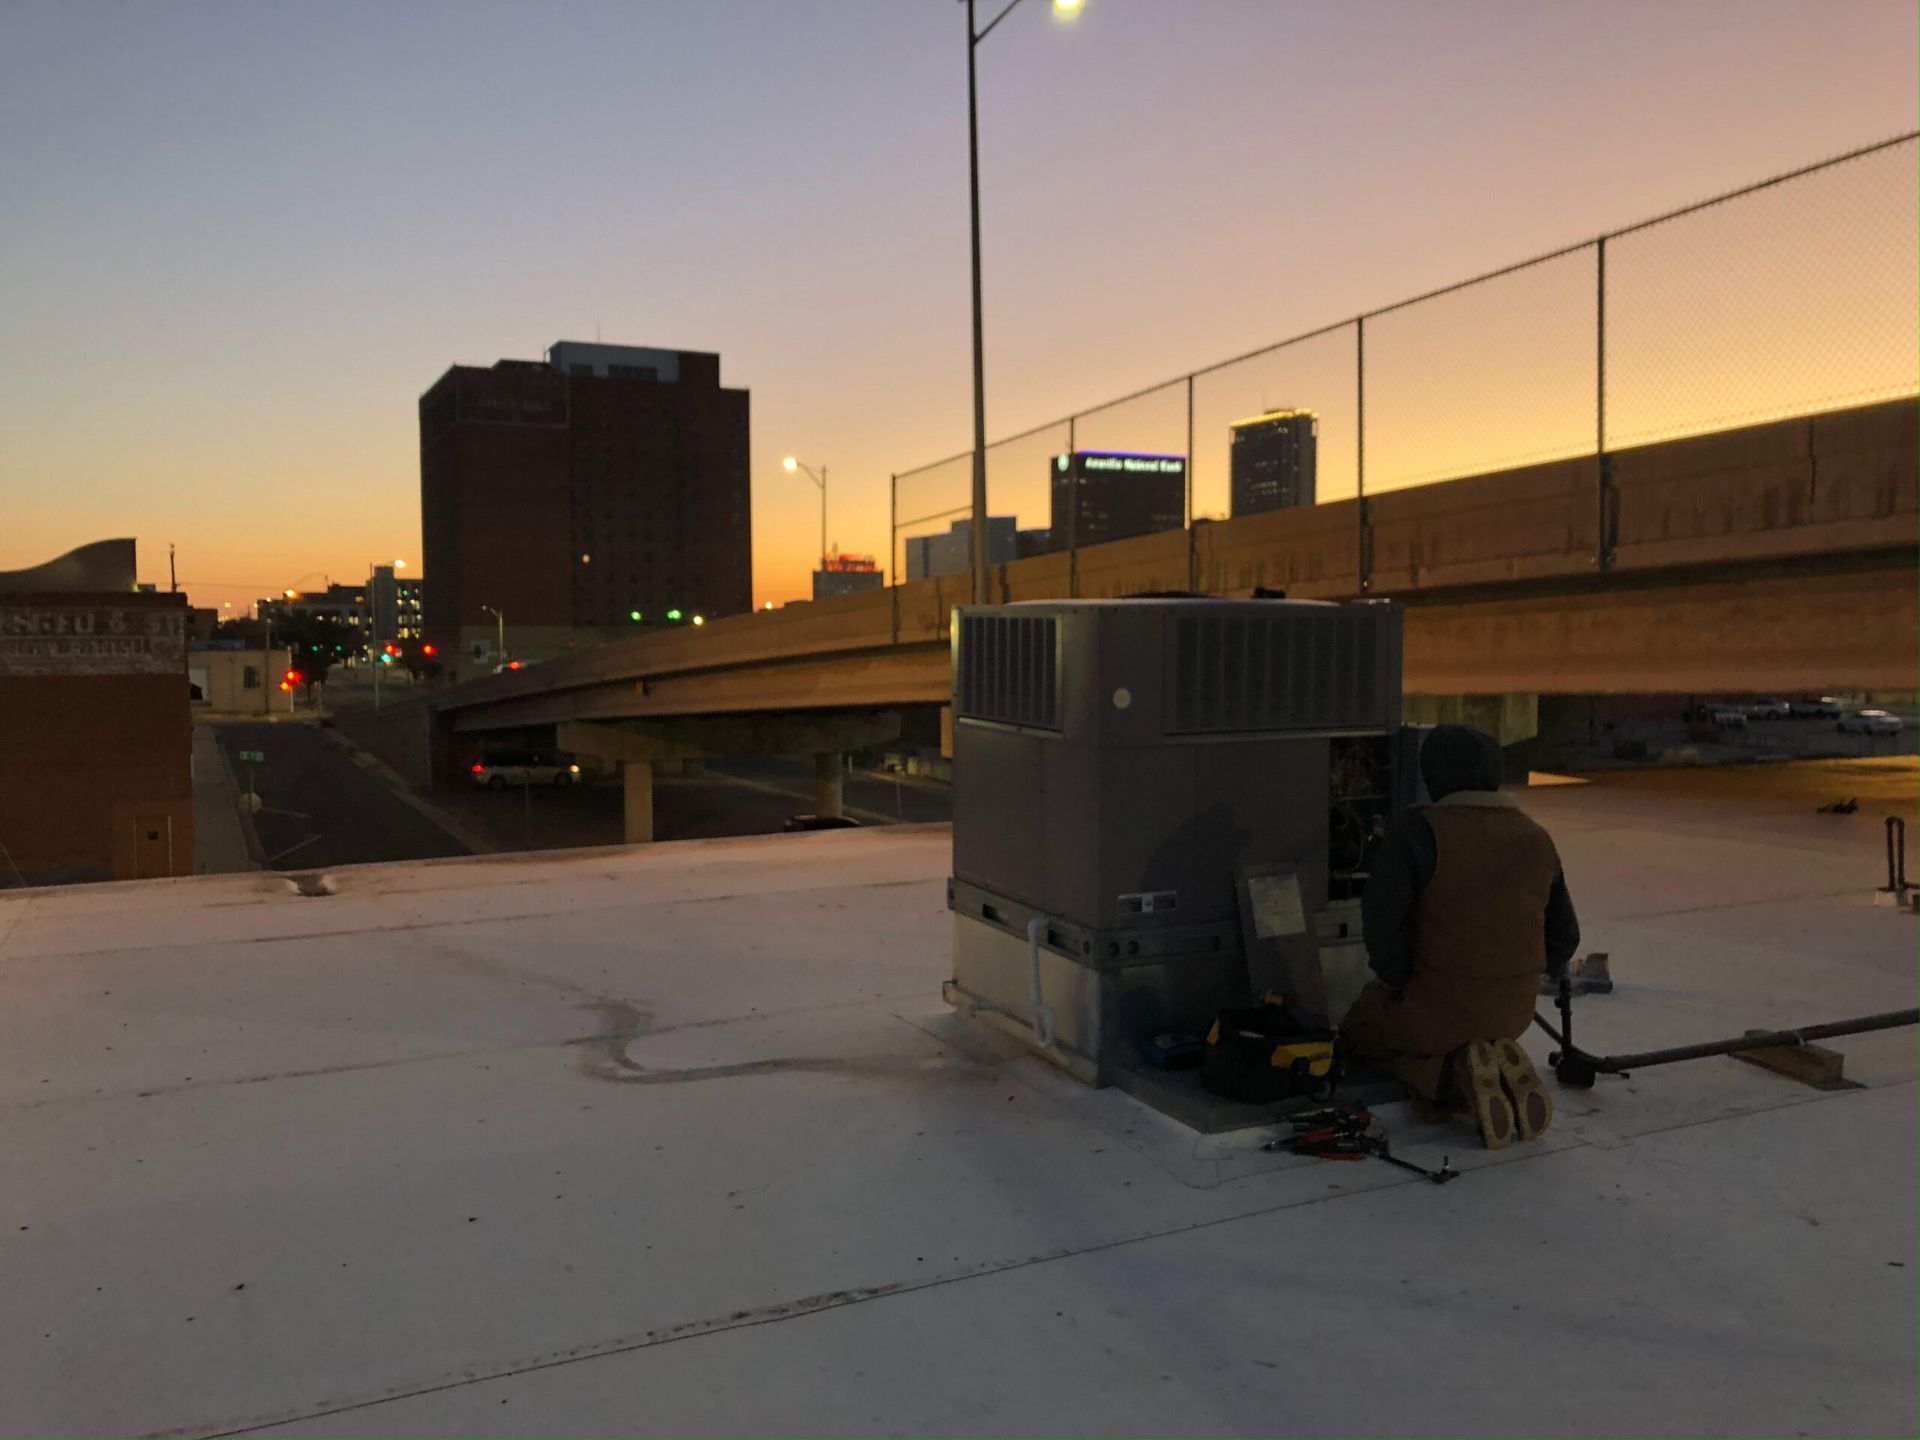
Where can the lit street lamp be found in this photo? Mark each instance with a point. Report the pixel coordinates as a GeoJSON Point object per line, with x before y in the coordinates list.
{"type": "Point", "coordinates": [1066, 10]}
{"type": "Point", "coordinates": [790, 465]}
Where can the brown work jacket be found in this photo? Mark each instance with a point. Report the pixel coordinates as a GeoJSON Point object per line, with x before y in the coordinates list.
{"type": "Point", "coordinates": [1479, 944]}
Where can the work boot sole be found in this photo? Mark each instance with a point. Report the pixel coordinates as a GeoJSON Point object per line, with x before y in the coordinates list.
{"type": "Point", "coordinates": [1484, 1096]}
{"type": "Point", "coordinates": [1532, 1105]}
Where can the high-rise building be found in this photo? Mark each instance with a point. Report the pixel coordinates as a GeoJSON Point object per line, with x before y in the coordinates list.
{"type": "Point", "coordinates": [846, 575]}
{"type": "Point", "coordinates": [1103, 495]}
{"type": "Point", "coordinates": [1272, 460]}
{"type": "Point", "coordinates": [394, 601]}
{"type": "Point", "coordinates": [952, 553]}
{"type": "Point", "coordinates": [599, 489]}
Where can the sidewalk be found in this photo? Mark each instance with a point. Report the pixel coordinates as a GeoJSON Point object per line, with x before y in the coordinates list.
{"type": "Point", "coordinates": [219, 835]}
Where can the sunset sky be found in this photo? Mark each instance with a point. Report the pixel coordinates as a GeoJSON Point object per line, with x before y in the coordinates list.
{"type": "Point", "coordinates": [242, 238]}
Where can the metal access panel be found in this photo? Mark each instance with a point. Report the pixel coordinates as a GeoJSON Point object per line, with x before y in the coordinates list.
{"type": "Point", "coordinates": [1116, 761]}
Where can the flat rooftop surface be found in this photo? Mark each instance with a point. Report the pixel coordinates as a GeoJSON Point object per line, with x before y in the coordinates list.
{"type": "Point", "coordinates": [682, 1139]}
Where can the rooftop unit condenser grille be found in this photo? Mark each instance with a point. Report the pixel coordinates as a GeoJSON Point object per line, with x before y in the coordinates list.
{"type": "Point", "coordinates": [1296, 671]}
{"type": "Point", "coordinates": [1008, 670]}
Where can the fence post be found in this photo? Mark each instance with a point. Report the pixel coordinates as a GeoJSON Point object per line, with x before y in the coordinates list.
{"type": "Point", "coordinates": [1073, 512]}
{"type": "Point", "coordinates": [1193, 553]}
{"type": "Point", "coordinates": [896, 557]}
{"type": "Point", "coordinates": [1606, 498]}
{"type": "Point", "coordinates": [1363, 523]}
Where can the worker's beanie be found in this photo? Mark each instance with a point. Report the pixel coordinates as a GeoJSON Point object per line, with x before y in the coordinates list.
{"type": "Point", "coordinates": [1459, 757]}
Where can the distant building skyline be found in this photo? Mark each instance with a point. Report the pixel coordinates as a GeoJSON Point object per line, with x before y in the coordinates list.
{"type": "Point", "coordinates": [1271, 461]}
{"type": "Point", "coordinates": [324, 222]}
{"type": "Point", "coordinates": [846, 575]}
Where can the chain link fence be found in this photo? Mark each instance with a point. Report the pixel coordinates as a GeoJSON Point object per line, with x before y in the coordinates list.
{"type": "Point", "coordinates": [1796, 295]}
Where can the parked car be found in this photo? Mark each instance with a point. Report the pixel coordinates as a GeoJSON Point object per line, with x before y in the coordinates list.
{"type": "Point", "coordinates": [1727, 717]}
{"type": "Point", "coordinates": [501, 768]}
{"type": "Point", "coordinates": [1769, 707]}
{"type": "Point", "coordinates": [1869, 722]}
{"type": "Point", "coordinates": [796, 823]}
{"type": "Point", "coordinates": [1818, 707]}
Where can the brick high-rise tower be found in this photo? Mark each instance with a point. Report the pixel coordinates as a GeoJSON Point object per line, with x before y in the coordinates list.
{"type": "Point", "coordinates": [594, 492]}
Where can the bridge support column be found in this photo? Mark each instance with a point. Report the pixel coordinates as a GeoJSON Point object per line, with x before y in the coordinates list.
{"type": "Point", "coordinates": [1508, 718]}
{"type": "Point", "coordinates": [637, 778]}
{"type": "Point", "coordinates": [829, 784]}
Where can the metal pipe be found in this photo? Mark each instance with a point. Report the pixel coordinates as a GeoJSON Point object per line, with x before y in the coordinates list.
{"type": "Point", "coordinates": [1762, 1040]}
{"type": "Point", "coordinates": [1040, 1013]}
{"type": "Point", "coordinates": [1759, 1040]}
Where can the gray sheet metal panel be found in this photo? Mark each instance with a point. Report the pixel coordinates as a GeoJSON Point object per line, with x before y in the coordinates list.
{"type": "Point", "coordinates": [1000, 840]}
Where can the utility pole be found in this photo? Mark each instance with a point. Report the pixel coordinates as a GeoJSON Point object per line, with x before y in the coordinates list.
{"type": "Point", "coordinates": [979, 497]}
{"type": "Point", "coordinates": [373, 610]}
{"type": "Point", "coordinates": [173, 578]}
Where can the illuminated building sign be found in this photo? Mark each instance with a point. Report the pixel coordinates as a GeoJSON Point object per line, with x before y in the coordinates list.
{"type": "Point", "coordinates": [1121, 462]}
{"type": "Point", "coordinates": [1101, 495]}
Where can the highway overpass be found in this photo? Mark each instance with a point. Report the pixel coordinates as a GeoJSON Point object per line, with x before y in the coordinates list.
{"type": "Point", "coordinates": [1776, 557]}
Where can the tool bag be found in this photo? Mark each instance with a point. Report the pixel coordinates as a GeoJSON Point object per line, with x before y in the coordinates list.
{"type": "Point", "coordinates": [1261, 1054]}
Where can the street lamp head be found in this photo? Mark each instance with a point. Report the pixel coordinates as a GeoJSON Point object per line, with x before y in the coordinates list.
{"type": "Point", "coordinates": [1067, 9]}
{"type": "Point", "coordinates": [399, 564]}
{"type": "Point", "coordinates": [789, 464]}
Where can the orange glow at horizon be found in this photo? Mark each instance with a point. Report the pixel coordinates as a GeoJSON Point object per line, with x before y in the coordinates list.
{"type": "Point", "coordinates": [226, 288]}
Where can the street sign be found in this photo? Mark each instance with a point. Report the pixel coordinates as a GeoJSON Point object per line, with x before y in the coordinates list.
{"type": "Point", "coordinates": [253, 755]}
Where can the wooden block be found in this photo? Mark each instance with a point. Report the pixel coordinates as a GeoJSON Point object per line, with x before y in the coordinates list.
{"type": "Point", "coordinates": [1813, 1065]}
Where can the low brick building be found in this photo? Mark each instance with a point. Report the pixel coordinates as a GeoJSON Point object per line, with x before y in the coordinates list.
{"type": "Point", "coordinates": [95, 732]}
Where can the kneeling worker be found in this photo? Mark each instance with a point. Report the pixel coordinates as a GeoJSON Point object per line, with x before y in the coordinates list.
{"type": "Point", "coordinates": [1465, 910]}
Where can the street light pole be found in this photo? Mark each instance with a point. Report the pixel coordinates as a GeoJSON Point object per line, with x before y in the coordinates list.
{"type": "Point", "coordinates": [979, 525]}
{"type": "Point", "coordinates": [373, 610]}
{"type": "Point", "coordinates": [503, 633]}
{"type": "Point", "coordinates": [1066, 9]}
{"type": "Point", "coordinates": [819, 478]}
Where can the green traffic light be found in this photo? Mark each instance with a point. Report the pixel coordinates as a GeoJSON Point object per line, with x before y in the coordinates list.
{"type": "Point", "coordinates": [673, 614]}
{"type": "Point", "coordinates": [633, 614]}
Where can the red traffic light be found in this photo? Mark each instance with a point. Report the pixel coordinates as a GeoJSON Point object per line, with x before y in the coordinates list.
{"type": "Point", "coordinates": [393, 649]}
{"type": "Point", "coordinates": [293, 677]}
{"type": "Point", "coordinates": [426, 649]}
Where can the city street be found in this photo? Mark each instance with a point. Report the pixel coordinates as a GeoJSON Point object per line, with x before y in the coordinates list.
{"type": "Point", "coordinates": [731, 797]}
{"type": "Point", "coordinates": [319, 808]}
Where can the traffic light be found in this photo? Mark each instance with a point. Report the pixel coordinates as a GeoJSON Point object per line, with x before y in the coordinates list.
{"type": "Point", "coordinates": [673, 615]}
{"type": "Point", "coordinates": [635, 615]}
{"type": "Point", "coordinates": [292, 677]}
{"type": "Point", "coordinates": [426, 649]}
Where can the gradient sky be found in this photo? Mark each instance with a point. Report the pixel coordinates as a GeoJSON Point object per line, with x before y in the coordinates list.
{"type": "Point", "coordinates": [241, 238]}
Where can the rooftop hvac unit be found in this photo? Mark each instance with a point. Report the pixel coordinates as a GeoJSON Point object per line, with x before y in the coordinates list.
{"type": "Point", "coordinates": [1120, 766]}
